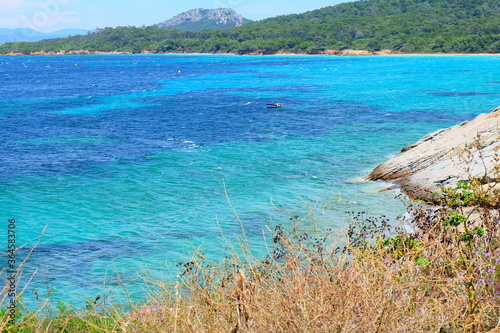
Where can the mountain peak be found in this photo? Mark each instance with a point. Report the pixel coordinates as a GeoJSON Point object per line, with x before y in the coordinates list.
{"type": "Point", "coordinates": [199, 19]}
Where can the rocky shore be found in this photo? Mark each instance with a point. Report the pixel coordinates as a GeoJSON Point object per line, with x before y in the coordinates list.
{"type": "Point", "coordinates": [347, 52]}
{"type": "Point", "coordinates": [62, 52]}
{"type": "Point", "coordinates": [471, 149]}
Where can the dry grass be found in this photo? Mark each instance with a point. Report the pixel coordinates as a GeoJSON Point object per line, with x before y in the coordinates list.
{"type": "Point", "coordinates": [371, 277]}
{"type": "Point", "coordinates": [376, 280]}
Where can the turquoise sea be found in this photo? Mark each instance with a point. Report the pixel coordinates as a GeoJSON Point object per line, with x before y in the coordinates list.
{"type": "Point", "coordinates": [122, 159]}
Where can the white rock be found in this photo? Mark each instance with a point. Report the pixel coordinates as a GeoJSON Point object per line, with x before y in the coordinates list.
{"type": "Point", "coordinates": [445, 157]}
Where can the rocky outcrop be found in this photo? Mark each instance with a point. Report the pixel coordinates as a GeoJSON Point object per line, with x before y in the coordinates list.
{"type": "Point", "coordinates": [350, 52]}
{"type": "Point", "coordinates": [445, 157]}
{"type": "Point", "coordinates": [62, 52]}
{"type": "Point", "coordinates": [383, 52]}
{"type": "Point", "coordinates": [198, 19]}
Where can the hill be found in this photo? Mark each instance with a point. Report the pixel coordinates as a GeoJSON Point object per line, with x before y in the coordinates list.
{"type": "Point", "coordinates": [200, 19]}
{"type": "Point", "coordinates": [30, 35]}
{"type": "Point", "coordinates": [417, 26]}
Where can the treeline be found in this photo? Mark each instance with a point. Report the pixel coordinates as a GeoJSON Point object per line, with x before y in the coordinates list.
{"type": "Point", "coordinates": [421, 26]}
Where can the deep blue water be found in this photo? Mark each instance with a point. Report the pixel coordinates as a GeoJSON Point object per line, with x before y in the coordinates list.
{"type": "Point", "coordinates": [122, 157]}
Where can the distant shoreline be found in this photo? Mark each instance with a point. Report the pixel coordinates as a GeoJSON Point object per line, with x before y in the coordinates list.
{"type": "Point", "coordinates": [340, 53]}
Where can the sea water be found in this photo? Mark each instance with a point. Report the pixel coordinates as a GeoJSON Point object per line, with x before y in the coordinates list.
{"type": "Point", "coordinates": [114, 165]}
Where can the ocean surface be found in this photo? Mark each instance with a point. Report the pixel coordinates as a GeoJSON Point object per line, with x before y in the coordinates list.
{"type": "Point", "coordinates": [118, 164]}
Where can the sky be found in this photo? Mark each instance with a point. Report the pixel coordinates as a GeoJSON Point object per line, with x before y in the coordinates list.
{"type": "Point", "coordinates": [51, 15]}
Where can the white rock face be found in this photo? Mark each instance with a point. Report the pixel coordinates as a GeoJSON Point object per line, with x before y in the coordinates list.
{"type": "Point", "coordinates": [445, 157]}
{"type": "Point", "coordinates": [221, 16]}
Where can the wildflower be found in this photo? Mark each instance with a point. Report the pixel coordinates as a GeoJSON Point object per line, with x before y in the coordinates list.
{"type": "Point", "coordinates": [491, 270]}
{"type": "Point", "coordinates": [487, 254]}
{"type": "Point", "coordinates": [322, 323]}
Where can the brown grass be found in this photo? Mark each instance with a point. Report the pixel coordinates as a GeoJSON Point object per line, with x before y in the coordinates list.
{"type": "Point", "coordinates": [370, 277]}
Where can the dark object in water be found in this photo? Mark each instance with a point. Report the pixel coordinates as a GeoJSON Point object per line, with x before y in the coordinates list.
{"type": "Point", "coordinates": [275, 105]}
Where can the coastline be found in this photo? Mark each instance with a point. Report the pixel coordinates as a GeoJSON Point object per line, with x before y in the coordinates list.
{"type": "Point", "coordinates": [465, 152]}
{"type": "Point", "coordinates": [341, 53]}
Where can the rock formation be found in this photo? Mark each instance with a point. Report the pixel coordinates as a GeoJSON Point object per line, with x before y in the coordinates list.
{"type": "Point", "coordinates": [198, 19]}
{"type": "Point", "coordinates": [445, 157]}
{"type": "Point", "coordinates": [350, 52]}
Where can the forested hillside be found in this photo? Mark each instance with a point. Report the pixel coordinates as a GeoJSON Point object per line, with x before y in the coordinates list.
{"type": "Point", "coordinates": [426, 26]}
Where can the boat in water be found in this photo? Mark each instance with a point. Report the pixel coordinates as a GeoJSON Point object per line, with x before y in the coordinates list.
{"type": "Point", "coordinates": [275, 105]}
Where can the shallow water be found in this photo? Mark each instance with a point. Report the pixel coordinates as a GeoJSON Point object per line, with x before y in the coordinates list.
{"type": "Point", "coordinates": [122, 158]}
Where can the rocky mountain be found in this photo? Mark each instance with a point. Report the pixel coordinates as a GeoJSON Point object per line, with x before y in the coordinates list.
{"type": "Point", "coordinates": [199, 19]}
{"type": "Point", "coordinates": [446, 157]}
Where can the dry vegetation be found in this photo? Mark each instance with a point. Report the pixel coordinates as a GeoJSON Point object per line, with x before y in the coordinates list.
{"type": "Point", "coordinates": [440, 275]}
{"type": "Point", "coordinates": [437, 279]}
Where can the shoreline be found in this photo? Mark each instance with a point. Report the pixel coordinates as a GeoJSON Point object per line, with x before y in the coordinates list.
{"type": "Point", "coordinates": [423, 169]}
{"type": "Point", "coordinates": [336, 53]}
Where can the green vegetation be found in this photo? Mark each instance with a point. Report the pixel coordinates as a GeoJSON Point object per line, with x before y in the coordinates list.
{"type": "Point", "coordinates": [203, 25]}
{"type": "Point", "coordinates": [472, 193]}
{"type": "Point", "coordinates": [426, 26]}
